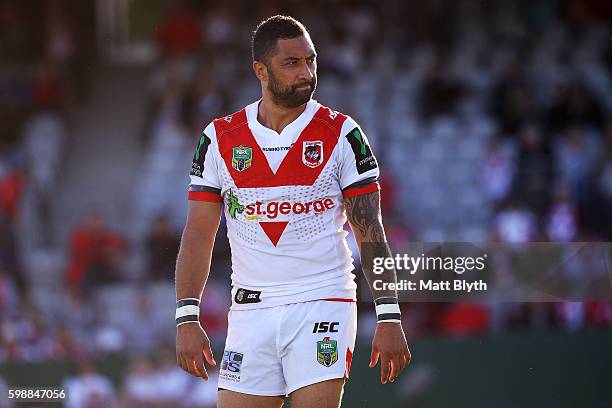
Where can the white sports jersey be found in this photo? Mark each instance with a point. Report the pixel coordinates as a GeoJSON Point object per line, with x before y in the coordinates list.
{"type": "Point", "coordinates": [283, 201]}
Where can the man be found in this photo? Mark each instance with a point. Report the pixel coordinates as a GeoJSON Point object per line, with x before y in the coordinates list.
{"type": "Point", "coordinates": [290, 172]}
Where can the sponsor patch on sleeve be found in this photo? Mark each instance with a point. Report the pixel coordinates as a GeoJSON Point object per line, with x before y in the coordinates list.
{"type": "Point", "coordinates": [364, 159]}
{"type": "Point", "coordinates": [197, 167]}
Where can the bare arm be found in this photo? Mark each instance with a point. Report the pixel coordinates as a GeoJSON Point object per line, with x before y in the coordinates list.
{"type": "Point", "coordinates": [192, 268]}
{"type": "Point", "coordinates": [389, 343]}
{"type": "Point", "coordinates": [363, 213]}
{"type": "Point", "coordinates": [195, 253]}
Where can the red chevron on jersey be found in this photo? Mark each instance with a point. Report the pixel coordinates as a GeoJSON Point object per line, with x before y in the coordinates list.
{"type": "Point", "coordinates": [251, 168]}
{"type": "Point", "coordinates": [274, 230]}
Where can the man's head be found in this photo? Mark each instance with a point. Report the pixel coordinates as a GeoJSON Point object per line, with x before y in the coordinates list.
{"type": "Point", "coordinates": [284, 60]}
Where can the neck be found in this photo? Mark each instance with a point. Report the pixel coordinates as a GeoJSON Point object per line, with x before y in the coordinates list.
{"type": "Point", "coordinates": [276, 117]}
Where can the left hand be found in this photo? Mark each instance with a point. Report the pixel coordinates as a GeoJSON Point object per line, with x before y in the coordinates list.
{"type": "Point", "coordinates": [390, 345]}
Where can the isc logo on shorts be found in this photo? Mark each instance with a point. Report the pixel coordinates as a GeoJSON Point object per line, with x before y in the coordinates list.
{"type": "Point", "coordinates": [230, 366]}
{"type": "Point", "coordinates": [324, 327]}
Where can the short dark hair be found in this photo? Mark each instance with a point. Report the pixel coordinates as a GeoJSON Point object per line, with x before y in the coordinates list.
{"type": "Point", "coordinates": [270, 30]}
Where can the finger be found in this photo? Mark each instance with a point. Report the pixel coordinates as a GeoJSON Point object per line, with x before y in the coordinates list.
{"type": "Point", "coordinates": [407, 358]}
{"type": "Point", "coordinates": [374, 357]}
{"type": "Point", "coordinates": [182, 362]}
{"type": "Point", "coordinates": [208, 354]}
{"type": "Point", "coordinates": [199, 367]}
{"type": "Point", "coordinates": [402, 364]}
{"type": "Point", "coordinates": [185, 363]}
{"type": "Point", "coordinates": [395, 368]}
{"type": "Point", "coordinates": [190, 365]}
{"type": "Point", "coordinates": [385, 368]}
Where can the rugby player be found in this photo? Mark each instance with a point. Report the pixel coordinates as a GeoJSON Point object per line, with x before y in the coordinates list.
{"type": "Point", "coordinates": [290, 173]}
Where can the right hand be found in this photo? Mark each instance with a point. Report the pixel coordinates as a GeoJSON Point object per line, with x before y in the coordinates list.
{"type": "Point", "coordinates": [192, 346]}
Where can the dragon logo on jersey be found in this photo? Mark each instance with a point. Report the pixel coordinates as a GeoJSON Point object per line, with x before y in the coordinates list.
{"type": "Point", "coordinates": [312, 153]}
{"type": "Point", "coordinates": [233, 205]}
{"type": "Point", "coordinates": [327, 352]}
{"type": "Point", "coordinates": [242, 157]}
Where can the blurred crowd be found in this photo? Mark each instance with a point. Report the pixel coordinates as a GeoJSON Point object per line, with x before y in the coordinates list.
{"type": "Point", "coordinates": [39, 67]}
{"type": "Point", "coordinates": [148, 382]}
{"type": "Point", "coordinates": [492, 122]}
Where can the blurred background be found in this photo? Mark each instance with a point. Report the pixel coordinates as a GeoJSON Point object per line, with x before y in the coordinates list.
{"type": "Point", "coordinates": [492, 121]}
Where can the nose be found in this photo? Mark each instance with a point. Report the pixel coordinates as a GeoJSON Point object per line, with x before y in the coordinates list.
{"type": "Point", "coordinates": [306, 72]}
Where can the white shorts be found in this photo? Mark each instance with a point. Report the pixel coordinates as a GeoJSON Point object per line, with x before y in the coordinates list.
{"type": "Point", "coordinates": [276, 350]}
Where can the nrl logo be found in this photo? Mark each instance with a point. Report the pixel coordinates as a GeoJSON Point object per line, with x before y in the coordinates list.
{"type": "Point", "coordinates": [240, 295]}
{"type": "Point", "coordinates": [312, 153]}
{"type": "Point", "coordinates": [242, 157]}
{"type": "Point", "coordinates": [327, 352]}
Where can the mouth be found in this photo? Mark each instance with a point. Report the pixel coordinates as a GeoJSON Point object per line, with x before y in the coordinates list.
{"type": "Point", "coordinates": [303, 87]}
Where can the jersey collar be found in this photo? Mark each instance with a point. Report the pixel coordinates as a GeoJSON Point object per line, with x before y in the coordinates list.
{"type": "Point", "coordinates": [292, 128]}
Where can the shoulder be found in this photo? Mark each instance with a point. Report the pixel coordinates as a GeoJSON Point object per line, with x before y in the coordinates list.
{"type": "Point", "coordinates": [332, 118]}
{"type": "Point", "coordinates": [229, 122]}
{"type": "Point", "coordinates": [343, 122]}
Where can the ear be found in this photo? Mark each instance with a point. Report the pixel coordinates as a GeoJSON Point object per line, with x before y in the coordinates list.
{"type": "Point", "coordinates": [261, 71]}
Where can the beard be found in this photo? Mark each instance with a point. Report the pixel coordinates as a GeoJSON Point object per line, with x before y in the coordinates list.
{"type": "Point", "coordinates": [288, 96]}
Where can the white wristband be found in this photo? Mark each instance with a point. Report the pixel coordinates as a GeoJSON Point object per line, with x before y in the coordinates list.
{"type": "Point", "coordinates": [388, 310]}
{"type": "Point", "coordinates": [187, 311]}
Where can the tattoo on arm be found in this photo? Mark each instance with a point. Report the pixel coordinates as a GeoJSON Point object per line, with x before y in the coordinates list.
{"type": "Point", "coordinates": [363, 212]}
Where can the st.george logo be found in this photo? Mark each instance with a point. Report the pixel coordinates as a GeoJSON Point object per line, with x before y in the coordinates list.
{"type": "Point", "coordinates": [312, 153]}
{"type": "Point", "coordinates": [242, 157]}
